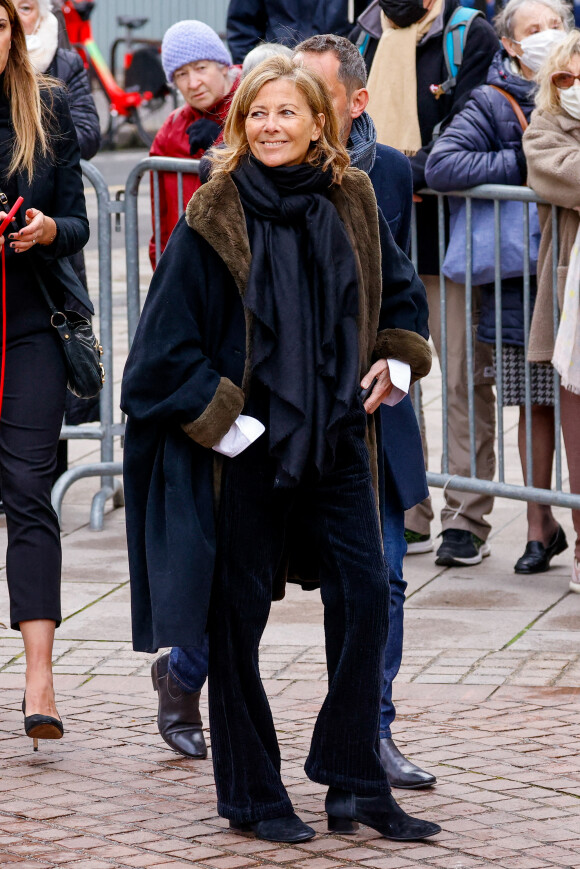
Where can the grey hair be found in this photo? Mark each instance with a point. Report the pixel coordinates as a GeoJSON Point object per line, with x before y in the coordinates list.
{"type": "Point", "coordinates": [262, 52]}
{"type": "Point", "coordinates": [352, 71]}
{"type": "Point", "coordinates": [504, 20]}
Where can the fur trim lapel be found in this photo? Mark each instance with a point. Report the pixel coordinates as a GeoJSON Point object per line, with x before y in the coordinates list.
{"type": "Point", "coordinates": [215, 212]}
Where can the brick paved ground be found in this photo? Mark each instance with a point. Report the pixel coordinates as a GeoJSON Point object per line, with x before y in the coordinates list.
{"type": "Point", "coordinates": [488, 698]}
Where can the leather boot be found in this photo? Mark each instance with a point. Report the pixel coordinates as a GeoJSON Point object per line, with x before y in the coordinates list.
{"type": "Point", "coordinates": [381, 813]}
{"type": "Point", "coordinates": [178, 716]}
{"type": "Point", "coordinates": [400, 771]}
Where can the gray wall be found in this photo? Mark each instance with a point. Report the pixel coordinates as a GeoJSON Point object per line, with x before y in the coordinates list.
{"type": "Point", "coordinates": [161, 13]}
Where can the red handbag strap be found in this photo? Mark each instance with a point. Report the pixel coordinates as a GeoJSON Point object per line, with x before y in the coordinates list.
{"type": "Point", "coordinates": [3, 368]}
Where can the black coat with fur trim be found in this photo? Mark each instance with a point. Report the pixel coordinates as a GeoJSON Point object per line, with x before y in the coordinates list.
{"type": "Point", "coordinates": [185, 380]}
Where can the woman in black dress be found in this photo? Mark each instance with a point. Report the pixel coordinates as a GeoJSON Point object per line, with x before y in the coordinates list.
{"type": "Point", "coordinates": [40, 161]}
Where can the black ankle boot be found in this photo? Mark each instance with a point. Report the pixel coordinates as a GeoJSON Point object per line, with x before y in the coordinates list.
{"type": "Point", "coordinates": [381, 813]}
{"type": "Point", "coordinates": [401, 773]}
{"type": "Point", "coordinates": [289, 829]}
{"type": "Point", "coordinates": [178, 716]}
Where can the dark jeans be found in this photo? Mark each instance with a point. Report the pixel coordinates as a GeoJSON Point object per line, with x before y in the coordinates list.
{"type": "Point", "coordinates": [340, 517]}
{"type": "Point", "coordinates": [395, 548]}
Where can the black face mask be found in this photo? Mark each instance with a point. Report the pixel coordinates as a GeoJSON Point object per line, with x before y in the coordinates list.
{"type": "Point", "coordinates": [403, 13]}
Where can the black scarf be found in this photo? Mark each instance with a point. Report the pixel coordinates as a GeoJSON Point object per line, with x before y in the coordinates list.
{"type": "Point", "coordinates": [303, 294]}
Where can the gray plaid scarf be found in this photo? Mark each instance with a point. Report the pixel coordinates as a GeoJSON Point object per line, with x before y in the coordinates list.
{"type": "Point", "coordinates": [362, 143]}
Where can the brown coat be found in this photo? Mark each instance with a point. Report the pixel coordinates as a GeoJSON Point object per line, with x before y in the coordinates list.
{"type": "Point", "coordinates": [552, 149]}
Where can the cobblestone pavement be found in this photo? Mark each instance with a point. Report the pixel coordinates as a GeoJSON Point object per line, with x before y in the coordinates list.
{"type": "Point", "coordinates": [488, 698]}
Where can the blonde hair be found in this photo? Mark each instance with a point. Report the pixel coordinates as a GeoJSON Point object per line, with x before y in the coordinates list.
{"type": "Point", "coordinates": [22, 89]}
{"type": "Point", "coordinates": [548, 96]}
{"type": "Point", "coordinates": [328, 152]}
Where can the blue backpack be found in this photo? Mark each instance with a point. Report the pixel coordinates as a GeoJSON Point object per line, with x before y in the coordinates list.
{"type": "Point", "coordinates": [454, 37]}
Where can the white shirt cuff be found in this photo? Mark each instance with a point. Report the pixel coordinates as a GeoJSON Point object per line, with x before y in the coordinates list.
{"type": "Point", "coordinates": [400, 373]}
{"type": "Point", "coordinates": [243, 432]}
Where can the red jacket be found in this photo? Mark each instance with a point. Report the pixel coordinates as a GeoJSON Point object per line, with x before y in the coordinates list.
{"type": "Point", "coordinates": [173, 141]}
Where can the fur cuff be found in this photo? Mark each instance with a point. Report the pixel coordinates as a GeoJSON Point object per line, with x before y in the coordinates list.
{"type": "Point", "coordinates": [406, 346]}
{"type": "Point", "coordinates": [218, 417]}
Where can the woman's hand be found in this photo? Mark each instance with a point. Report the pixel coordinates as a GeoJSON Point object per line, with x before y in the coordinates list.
{"type": "Point", "coordinates": [382, 387]}
{"type": "Point", "coordinates": [39, 229]}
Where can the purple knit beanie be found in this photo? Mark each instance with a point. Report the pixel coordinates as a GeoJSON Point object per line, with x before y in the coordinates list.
{"type": "Point", "coordinates": [188, 42]}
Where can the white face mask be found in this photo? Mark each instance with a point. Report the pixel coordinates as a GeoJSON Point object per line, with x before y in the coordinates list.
{"type": "Point", "coordinates": [538, 46]}
{"type": "Point", "coordinates": [570, 101]}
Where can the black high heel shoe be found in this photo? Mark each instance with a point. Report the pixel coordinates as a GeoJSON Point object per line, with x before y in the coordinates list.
{"type": "Point", "coordinates": [381, 813]}
{"type": "Point", "coordinates": [41, 726]}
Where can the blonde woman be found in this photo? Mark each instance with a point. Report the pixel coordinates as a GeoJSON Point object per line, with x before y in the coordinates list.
{"type": "Point", "coordinates": [552, 149]}
{"type": "Point", "coordinates": [39, 160]}
{"type": "Point", "coordinates": [263, 319]}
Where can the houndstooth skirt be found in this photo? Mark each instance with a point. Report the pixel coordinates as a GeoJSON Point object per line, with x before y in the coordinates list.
{"type": "Point", "coordinates": [514, 378]}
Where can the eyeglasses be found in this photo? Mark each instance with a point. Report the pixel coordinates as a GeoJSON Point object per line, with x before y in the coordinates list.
{"type": "Point", "coordinates": [564, 80]}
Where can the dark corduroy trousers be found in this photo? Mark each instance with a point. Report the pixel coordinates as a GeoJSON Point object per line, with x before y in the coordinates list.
{"type": "Point", "coordinates": [340, 517]}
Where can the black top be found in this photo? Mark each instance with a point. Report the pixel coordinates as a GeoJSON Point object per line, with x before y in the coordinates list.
{"type": "Point", "coordinates": [56, 189]}
{"type": "Point", "coordinates": [26, 310]}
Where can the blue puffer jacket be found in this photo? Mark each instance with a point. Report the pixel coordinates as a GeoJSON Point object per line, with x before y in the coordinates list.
{"type": "Point", "coordinates": [483, 145]}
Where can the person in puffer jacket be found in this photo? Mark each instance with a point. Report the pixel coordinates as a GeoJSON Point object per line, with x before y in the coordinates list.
{"type": "Point", "coordinates": [198, 64]}
{"type": "Point", "coordinates": [41, 29]}
{"type": "Point", "coordinates": [483, 145]}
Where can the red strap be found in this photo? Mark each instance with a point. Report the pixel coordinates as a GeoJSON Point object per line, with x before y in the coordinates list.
{"type": "Point", "coordinates": [3, 369]}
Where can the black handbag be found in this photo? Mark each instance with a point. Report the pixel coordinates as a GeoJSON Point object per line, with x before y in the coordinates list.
{"type": "Point", "coordinates": [82, 351]}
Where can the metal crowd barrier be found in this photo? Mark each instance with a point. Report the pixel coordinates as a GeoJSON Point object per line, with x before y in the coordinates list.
{"type": "Point", "coordinates": [106, 430]}
{"type": "Point", "coordinates": [155, 165]}
{"type": "Point", "coordinates": [472, 483]}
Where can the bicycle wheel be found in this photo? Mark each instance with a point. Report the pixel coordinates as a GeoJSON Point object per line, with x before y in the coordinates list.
{"type": "Point", "coordinates": [145, 135]}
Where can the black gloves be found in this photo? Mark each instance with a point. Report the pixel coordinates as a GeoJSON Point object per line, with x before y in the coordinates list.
{"type": "Point", "coordinates": [202, 134]}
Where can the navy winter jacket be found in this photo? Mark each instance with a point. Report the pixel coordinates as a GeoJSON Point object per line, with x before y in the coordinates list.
{"type": "Point", "coordinates": [288, 21]}
{"type": "Point", "coordinates": [483, 145]}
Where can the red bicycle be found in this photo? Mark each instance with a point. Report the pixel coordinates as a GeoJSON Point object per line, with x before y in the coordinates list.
{"type": "Point", "coordinates": [145, 89]}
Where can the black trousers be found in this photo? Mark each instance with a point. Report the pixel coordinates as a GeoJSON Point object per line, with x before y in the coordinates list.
{"type": "Point", "coordinates": [32, 414]}
{"type": "Point", "coordinates": [339, 513]}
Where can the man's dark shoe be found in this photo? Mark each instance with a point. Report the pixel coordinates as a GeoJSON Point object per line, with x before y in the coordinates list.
{"type": "Point", "coordinates": [286, 829]}
{"type": "Point", "coordinates": [178, 716]}
{"type": "Point", "coordinates": [400, 771]}
{"type": "Point", "coordinates": [461, 548]}
{"type": "Point", "coordinates": [381, 813]}
{"type": "Point", "coordinates": [537, 557]}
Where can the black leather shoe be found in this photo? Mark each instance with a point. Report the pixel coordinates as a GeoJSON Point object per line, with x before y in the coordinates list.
{"type": "Point", "coordinates": [178, 716]}
{"type": "Point", "coordinates": [41, 726]}
{"type": "Point", "coordinates": [537, 557]}
{"type": "Point", "coordinates": [381, 813]}
{"type": "Point", "coordinates": [287, 829]}
{"type": "Point", "coordinates": [400, 771]}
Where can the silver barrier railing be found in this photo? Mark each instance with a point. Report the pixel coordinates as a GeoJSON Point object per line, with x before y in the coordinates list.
{"type": "Point", "coordinates": [106, 430]}
{"type": "Point", "coordinates": [472, 483]}
{"type": "Point", "coordinates": [154, 165]}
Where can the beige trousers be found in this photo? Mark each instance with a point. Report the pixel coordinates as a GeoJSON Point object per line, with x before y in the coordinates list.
{"type": "Point", "coordinates": [462, 510]}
